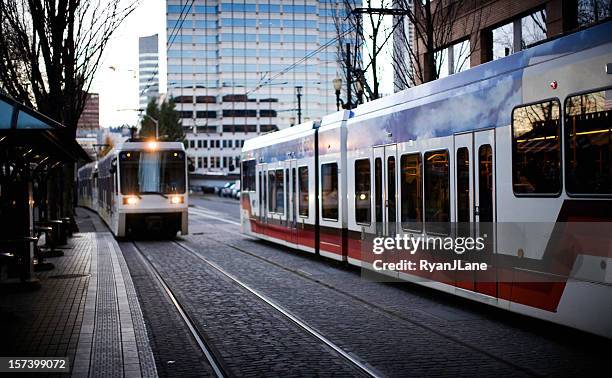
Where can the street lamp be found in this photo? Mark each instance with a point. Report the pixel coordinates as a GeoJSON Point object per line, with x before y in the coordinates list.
{"type": "Point", "coordinates": [337, 82]}
{"type": "Point", "coordinates": [359, 88]}
{"type": "Point", "coordinates": [156, 122]}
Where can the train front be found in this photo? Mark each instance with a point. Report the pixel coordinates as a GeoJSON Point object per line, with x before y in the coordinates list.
{"type": "Point", "coordinates": [152, 193]}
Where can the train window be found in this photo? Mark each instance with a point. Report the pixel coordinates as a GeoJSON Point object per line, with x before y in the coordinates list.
{"type": "Point", "coordinates": [329, 191]}
{"type": "Point", "coordinates": [485, 183]}
{"type": "Point", "coordinates": [536, 149]}
{"type": "Point", "coordinates": [363, 204]}
{"type": "Point", "coordinates": [248, 176]}
{"type": "Point", "coordinates": [261, 191]}
{"type": "Point", "coordinates": [411, 192]}
{"type": "Point", "coordinates": [293, 192]}
{"type": "Point", "coordinates": [391, 189]}
{"type": "Point", "coordinates": [303, 185]}
{"type": "Point", "coordinates": [271, 186]}
{"type": "Point", "coordinates": [463, 185]}
{"type": "Point", "coordinates": [588, 138]}
{"type": "Point", "coordinates": [437, 189]}
{"type": "Point", "coordinates": [152, 171]}
{"type": "Point", "coordinates": [378, 189]}
{"type": "Point", "coordinates": [279, 191]}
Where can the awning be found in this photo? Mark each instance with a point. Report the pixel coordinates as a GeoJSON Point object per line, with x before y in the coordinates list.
{"type": "Point", "coordinates": [34, 137]}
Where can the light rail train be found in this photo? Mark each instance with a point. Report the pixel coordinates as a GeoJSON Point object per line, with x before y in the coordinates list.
{"type": "Point", "coordinates": [138, 188]}
{"type": "Point", "coordinates": [518, 151]}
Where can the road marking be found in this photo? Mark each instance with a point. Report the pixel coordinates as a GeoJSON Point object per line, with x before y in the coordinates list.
{"type": "Point", "coordinates": [215, 216]}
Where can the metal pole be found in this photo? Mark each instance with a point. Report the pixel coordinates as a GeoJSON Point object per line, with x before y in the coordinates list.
{"type": "Point", "coordinates": [348, 76]}
{"type": "Point", "coordinates": [299, 99]}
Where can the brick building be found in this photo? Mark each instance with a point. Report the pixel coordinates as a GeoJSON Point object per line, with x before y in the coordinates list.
{"type": "Point", "coordinates": [486, 30]}
{"type": "Point", "coordinates": [89, 122]}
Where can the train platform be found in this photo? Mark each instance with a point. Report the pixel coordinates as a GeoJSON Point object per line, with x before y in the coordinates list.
{"type": "Point", "coordinates": [86, 310]}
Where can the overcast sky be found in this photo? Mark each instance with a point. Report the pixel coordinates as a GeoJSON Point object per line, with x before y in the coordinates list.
{"type": "Point", "coordinates": [119, 88]}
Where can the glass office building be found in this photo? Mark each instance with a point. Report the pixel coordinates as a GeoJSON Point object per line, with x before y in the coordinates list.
{"type": "Point", "coordinates": [148, 61]}
{"type": "Point", "coordinates": [234, 68]}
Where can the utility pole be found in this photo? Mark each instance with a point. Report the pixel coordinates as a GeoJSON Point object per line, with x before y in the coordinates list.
{"type": "Point", "coordinates": [349, 103]}
{"type": "Point", "coordinates": [299, 99]}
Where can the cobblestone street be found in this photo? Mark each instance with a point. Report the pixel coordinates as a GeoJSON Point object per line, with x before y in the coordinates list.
{"type": "Point", "coordinates": [394, 329]}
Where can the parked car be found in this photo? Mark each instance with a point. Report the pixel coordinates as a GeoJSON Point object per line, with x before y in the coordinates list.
{"type": "Point", "coordinates": [219, 189]}
{"type": "Point", "coordinates": [227, 191]}
{"type": "Point", "coordinates": [236, 190]}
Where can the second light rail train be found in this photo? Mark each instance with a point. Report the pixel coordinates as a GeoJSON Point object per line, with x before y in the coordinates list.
{"type": "Point", "coordinates": [518, 150]}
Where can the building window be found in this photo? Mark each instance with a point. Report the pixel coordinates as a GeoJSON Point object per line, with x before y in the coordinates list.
{"type": "Point", "coordinates": [267, 113]}
{"type": "Point", "coordinates": [536, 149]}
{"type": "Point", "coordinates": [590, 11]}
{"type": "Point", "coordinates": [206, 99]}
{"type": "Point", "coordinates": [192, 144]}
{"type": "Point", "coordinates": [588, 143]}
{"type": "Point", "coordinates": [363, 200]}
{"type": "Point", "coordinates": [437, 189]}
{"type": "Point", "coordinates": [411, 192]}
{"type": "Point", "coordinates": [224, 143]}
{"type": "Point", "coordinates": [329, 191]}
{"type": "Point", "coordinates": [519, 34]}
{"type": "Point", "coordinates": [303, 195]}
{"type": "Point", "coordinates": [205, 143]}
{"type": "Point", "coordinates": [199, 143]}
{"type": "Point", "coordinates": [453, 59]}
{"type": "Point", "coordinates": [206, 114]}
{"type": "Point", "coordinates": [239, 113]}
{"type": "Point", "coordinates": [224, 162]}
{"type": "Point", "coordinates": [204, 162]}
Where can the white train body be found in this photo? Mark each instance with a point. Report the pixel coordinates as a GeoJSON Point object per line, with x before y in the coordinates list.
{"type": "Point", "coordinates": [518, 150]}
{"type": "Point", "coordinates": [139, 188]}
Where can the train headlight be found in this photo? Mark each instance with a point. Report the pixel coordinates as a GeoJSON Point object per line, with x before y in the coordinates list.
{"type": "Point", "coordinates": [131, 200]}
{"type": "Point", "coordinates": [177, 200]}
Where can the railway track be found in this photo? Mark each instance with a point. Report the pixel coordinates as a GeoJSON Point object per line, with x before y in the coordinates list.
{"type": "Point", "coordinates": [393, 314]}
{"type": "Point", "coordinates": [211, 356]}
{"type": "Point", "coordinates": [208, 349]}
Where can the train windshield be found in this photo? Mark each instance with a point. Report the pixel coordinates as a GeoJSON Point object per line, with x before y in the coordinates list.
{"type": "Point", "coordinates": [144, 172]}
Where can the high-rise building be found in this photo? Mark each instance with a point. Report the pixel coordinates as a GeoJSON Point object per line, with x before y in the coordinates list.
{"type": "Point", "coordinates": [234, 68]}
{"type": "Point", "coordinates": [148, 68]}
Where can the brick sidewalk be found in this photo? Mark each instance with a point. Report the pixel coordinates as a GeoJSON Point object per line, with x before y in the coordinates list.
{"type": "Point", "coordinates": [86, 310]}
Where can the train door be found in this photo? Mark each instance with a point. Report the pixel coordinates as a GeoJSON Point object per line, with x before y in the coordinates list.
{"type": "Point", "coordinates": [464, 201]}
{"type": "Point", "coordinates": [291, 180]}
{"type": "Point", "coordinates": [385, 190]}
{"type": "Point", "coordinates": [484, 207]}
{"type": "Point", "coordinates": [261, 196]}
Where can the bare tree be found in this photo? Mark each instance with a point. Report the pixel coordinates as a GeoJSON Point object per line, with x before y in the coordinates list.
{"type": "Point", "coordinates": [419, 54]}
{"type": "Point", "coordinates": [367, 35]}
{"type": "Point", "coordinates": [51, 49]}
{"type": "Point", "coordinates": [590, 11]}
{"type": "Point", "coordinates": [49, 53]}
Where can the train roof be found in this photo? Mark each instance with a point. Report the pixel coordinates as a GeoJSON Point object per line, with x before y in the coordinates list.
{"type": "Point", "coordinates": [551, 49]}
{"type": "Point", "coordinates": [289, 133]}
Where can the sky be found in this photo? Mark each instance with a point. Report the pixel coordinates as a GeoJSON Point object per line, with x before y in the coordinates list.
{"type": "Point", "coordinates": [118, 88]}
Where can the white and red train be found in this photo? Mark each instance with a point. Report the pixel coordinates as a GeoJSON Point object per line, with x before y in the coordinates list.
{"type": "Point", "coordinates": [519, 149]}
